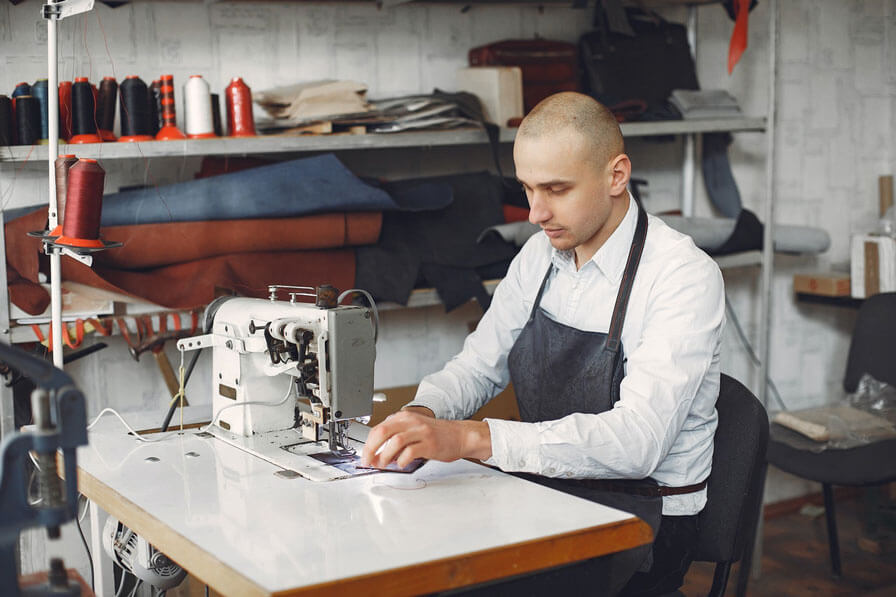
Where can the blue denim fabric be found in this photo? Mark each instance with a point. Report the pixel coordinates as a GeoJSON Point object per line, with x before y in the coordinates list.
{"type": "Point", "coordinates": [286, 189]}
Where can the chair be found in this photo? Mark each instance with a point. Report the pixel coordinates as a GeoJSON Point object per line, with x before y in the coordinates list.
{"type": "Point", "coordinates": [734, 494]}
{"type": "Point", "coordinates": [871, 351]}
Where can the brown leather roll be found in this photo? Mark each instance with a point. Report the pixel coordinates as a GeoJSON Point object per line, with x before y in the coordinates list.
{"type": "Point", "coordinates": [154, 245]}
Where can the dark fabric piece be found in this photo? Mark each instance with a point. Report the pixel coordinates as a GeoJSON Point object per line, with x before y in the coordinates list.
{"type": "Point", "coordinates": [456, 285]}
{"type": "Point", "coordinates": [747, 235]}
{"type": "Point", "coordinates": [557, 370]}
{"type": "Point", "coordinates": [294, 188]}
{"type": "Point", "coordinates": [738, 472]}
{"type": "Point", "coordinates": [729, 7]}
{"type": "Point", "coordinates": [446, 237]}
{"type": "Point", "coordinates": [673, 552]}
{"type": "Point", "coordinates": [717, 176]}
{"type": "Point", "coordinates": [796, 454]}
{"type": "Point", "coordinates": [873, 340]}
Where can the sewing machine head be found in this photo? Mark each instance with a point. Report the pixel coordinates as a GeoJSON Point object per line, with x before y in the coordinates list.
{"type": "Point", "coordinates": [290, 364]}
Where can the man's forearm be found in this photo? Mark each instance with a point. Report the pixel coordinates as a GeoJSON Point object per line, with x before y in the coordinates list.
{"type": "Point", "coordinates": [477, 439]}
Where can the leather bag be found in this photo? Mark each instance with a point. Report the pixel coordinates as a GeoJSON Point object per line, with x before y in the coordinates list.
{"type": "Point", "coordinates": [548, 67]}
{"type": "Point", "coordinates": [634, 75]}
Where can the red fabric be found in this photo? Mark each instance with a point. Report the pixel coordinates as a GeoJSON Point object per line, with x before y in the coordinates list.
{"type": "Point", "coordinates": [174, 282]}
{"type": "Point", "coordinates": [512, 213]}
{"type": "Point", "coordinates": [739, 34]}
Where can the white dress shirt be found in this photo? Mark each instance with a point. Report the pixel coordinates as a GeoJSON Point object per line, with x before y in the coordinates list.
{"type": "Point", "coordinates": [664, 422]}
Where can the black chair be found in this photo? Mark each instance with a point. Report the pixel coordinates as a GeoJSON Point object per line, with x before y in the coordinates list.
{"type": "Point", "coordinates": [734, 494]}
{"type": "Point", "coordinates": [871, 351]}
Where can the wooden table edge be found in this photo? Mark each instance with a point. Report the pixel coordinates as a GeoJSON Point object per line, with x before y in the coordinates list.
{"type": "Point", "coordinates": [490, 564]}
{"type": "Point", "coordinates": [424, 577]}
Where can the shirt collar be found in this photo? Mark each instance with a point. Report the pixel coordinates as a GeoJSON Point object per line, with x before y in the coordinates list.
{"type": "Point", "coordinates": [611, 258]}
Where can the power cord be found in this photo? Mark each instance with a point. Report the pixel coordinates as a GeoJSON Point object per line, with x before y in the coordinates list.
{"type": "Point", "coordinates": [87, 549]}
{"type": "Point", "coordinates": [743, 338]}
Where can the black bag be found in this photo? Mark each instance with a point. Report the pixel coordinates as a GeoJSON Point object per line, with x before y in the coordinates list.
{"type": "Point", "coordinates": [637, 73]}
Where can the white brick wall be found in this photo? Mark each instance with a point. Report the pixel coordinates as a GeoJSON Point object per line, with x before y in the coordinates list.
{"type": "Point", "coordinates": [836, 130]}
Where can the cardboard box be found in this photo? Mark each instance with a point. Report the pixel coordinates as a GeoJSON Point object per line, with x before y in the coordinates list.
{"type": "Point", "coordinates": [499, 89]}
{"type": "Point", "coordinates": [822, 284]}
{"type": "Point", "coordinates": [872, 264]}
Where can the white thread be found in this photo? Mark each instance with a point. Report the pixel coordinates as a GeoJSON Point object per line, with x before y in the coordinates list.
{"type": "Point", "coordinates": [197, 107]}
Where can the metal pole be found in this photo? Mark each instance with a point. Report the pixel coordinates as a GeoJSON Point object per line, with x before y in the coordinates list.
{"type": "Point", "coordinates": [53, 216]}
{"type": "Point", "coordinates": [689, 165]}
{"type": "Point", "coordinates": [768, 256]}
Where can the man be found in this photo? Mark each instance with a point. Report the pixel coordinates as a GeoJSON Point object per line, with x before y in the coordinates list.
{"type": "Point", "coordinates": [608, 323]}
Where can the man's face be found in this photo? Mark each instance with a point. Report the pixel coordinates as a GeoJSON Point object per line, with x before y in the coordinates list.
{"type": "Point", "coordinates": [569, 194]}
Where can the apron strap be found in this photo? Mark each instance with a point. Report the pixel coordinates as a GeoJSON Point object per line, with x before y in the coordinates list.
{"type": "Point", "coordinates": [544, 283]}
{"type": "Point", "coordinates": [628, 278]}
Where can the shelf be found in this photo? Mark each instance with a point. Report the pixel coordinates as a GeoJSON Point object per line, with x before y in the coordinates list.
{"type": "Point", "coordinates": [273, 144]}
{"type": "Point", "coordinates": [745, 259]}
{"type": "Point", "coordinates": [428, 297]}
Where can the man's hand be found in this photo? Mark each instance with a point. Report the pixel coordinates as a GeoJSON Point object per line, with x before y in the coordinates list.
{"type": "Point", "coordinates": [415, 433]}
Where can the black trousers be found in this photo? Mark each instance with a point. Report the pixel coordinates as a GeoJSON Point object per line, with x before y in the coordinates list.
{"type": "Point", "coordinates": [673, 551]}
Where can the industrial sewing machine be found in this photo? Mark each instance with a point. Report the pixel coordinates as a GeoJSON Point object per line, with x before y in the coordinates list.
{"type": "Point", "coordinates": [287, 374]}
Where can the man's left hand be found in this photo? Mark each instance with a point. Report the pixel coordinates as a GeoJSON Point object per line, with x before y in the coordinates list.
{"type": "Point", "coordinates": [406, 436]}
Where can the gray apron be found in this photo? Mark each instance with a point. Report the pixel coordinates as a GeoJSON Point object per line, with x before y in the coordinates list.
{"type": "Point", "coordinates": [557, 370]}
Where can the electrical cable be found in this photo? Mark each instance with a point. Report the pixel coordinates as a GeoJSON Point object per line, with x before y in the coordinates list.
{"type": "Point", "coordinates": [89, 557]}
{"type": "Point", "coordinates": [251, 403]}
{"type": "Point", "coordinates": [123, 422]}
{"type": "Point", "coordinates": [376, 313]}
{"type": "Point", "coordinates": [743, 338]}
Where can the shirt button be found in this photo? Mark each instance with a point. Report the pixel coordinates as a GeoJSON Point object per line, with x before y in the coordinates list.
{"type": "Point", "coordinates": [550, 470]}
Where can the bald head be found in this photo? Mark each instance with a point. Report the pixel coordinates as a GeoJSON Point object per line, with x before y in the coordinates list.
{"type": "Point", "coordinates": [569, 112]}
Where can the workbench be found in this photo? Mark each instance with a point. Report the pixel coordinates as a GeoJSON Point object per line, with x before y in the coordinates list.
{"type": "Point", "coordinates": [241, 528]}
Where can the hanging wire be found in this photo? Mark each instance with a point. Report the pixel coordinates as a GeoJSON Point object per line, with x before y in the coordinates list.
{"type": "Point", "coordinates": [749, 347]}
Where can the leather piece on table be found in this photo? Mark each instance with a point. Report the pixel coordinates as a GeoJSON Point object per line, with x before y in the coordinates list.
{"type": "Point", "coordinates": [153, 245]}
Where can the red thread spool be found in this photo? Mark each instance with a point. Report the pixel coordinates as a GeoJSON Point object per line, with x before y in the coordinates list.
{"type": "Point", "coordinates": [62, 165]}
{"type": "Point", "coordinates": [83, 206]}
{"type": "Point", "coordinates": [238, 98]}
{"type": "Point", "coordinates": [169, 128]}
{"type": "Point", "coordinates": [106, 99]}
{"type": "Point", "coordinates": [65, 110]}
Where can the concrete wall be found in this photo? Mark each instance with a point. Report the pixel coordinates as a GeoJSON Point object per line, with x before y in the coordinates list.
{"type": "Point", "coordinates": [836, 115]}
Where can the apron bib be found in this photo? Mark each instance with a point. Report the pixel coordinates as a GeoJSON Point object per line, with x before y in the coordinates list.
{"type": "Point", "coordinates": [557, 370]}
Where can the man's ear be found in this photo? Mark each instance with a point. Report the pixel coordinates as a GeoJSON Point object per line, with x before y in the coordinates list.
{"type": "Point", "coordinates": [620, 172]}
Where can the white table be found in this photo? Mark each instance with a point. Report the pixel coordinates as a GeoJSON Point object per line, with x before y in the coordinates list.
{"type": "Point", "coordinates": [227, 518]}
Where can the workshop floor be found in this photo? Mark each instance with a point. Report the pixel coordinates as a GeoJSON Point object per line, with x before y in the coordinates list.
{"type": "Point", "coordinates": [795, 561]}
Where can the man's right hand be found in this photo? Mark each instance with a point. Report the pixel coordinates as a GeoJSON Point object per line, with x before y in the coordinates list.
{"type": "Point", "coordinates": [414, 432]}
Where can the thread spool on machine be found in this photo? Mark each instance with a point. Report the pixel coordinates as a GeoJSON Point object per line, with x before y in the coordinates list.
{"type": "Point", "coordinates": [80, 204]}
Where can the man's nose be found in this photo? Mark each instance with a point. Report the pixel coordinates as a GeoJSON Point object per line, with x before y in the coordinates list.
{"type": "Point", "coordinates": [538, 209]}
